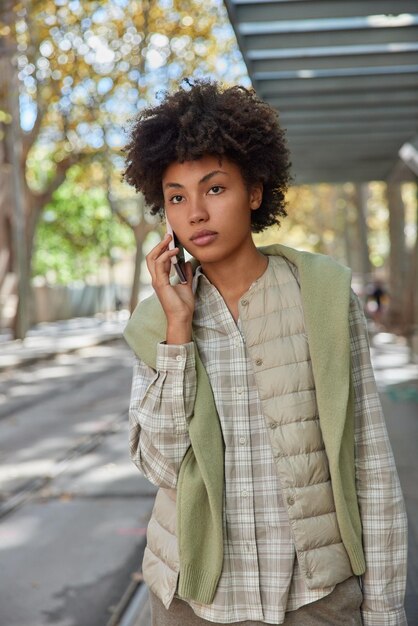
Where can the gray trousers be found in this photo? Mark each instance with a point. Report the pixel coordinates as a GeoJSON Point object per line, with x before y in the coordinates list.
{"type": "Point", "coordinates": [340, 608]}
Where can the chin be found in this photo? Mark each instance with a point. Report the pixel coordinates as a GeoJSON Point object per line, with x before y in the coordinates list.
{"type": "Point", "coordinates": [209, 258]}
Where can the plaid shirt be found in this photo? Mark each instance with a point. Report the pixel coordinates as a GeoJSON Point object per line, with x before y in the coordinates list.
{"type": "Point", "coordinates": [261, 578]}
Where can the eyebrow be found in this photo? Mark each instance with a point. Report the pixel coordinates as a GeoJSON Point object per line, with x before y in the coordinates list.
{"type": "Point", "coordinates": [205, 179]}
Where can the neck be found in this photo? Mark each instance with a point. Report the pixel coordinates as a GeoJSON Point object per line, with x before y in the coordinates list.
{"type": "Point", "coordinates": [234, 277]}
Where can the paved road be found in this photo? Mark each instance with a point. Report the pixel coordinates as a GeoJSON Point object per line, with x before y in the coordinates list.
{"type": "Point", "coordinates": [73, 508]}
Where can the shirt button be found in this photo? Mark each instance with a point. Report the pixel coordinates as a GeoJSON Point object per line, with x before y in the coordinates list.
{"type": "Point", "coordinates": [244, 302]}
{"type": "Point", "coordinates": [179, 357]}
{"type": "Point", "coordinates": [243, 440]}
{"type": "Point", "coordinates": [240, 390]}
{"type": "Point", "coordinates": [308, 574]}
{"type": "Point", "coordinates": [259, 361]}
{"type": "Point", "coordinates": [273, 425]}
{"type": "Point", "coordinates": [290, 500]}
{"type": "Point", "coordinates": [244, 493]}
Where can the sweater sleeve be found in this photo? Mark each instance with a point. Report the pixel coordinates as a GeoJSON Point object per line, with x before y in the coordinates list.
{"type": "Point", "coordinates": [161, 405]}
{"type": "Point", "coordinates": [379, 493]}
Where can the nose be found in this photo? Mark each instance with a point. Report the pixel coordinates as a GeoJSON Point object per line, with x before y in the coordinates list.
{"type": "Point", "coordinates": [198, 212]}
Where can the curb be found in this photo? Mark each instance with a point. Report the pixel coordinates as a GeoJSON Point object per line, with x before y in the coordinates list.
{"type": "Point", "coordinates": [138, 611]}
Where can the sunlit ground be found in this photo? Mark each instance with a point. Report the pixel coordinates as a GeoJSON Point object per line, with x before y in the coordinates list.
{"type": "Point", "coordinates": [393, 367]}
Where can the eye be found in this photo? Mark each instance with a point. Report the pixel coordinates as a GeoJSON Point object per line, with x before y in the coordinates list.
{"type": "Point", "coordinates": [216, 190]}
{"type": "Point", "coordinates": [176, 199]}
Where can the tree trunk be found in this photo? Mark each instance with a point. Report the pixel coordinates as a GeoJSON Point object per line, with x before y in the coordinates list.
{"type": "Point", "coordinates": [21, 321]}
{"type": "Point", "coordinates": [136, 281]}
{"type": "Point", "coordinates": [141, 230]}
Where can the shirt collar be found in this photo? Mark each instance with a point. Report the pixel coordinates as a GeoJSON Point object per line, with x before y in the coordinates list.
{"type": "Point", "coordinates": [197, 278]}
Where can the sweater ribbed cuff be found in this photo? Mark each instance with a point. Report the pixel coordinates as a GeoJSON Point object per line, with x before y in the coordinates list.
{"type": "Point", "coordinates": [198, 585]}
{"type": "Point", "coordinates": [356, 556]}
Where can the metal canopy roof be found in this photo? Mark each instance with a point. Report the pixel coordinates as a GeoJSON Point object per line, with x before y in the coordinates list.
{"type": "Point", "coordinates": [344, 77]}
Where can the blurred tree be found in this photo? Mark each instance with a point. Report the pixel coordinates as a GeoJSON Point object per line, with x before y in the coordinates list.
{"type": "Point", "coordinates": [7, 278]}
{"type": "Point", "coordinates": [327, 219]}
{"type": "Point", "coordinates": [319, 219]}
{"type": "Point", "coordinates": [77, 232]}
{"type": "Point", "coordinates": [12, 217]}
{"type": "Point", "coordinates": [86, 67]}
{"type": "Point", "coordinates": [140, 226]}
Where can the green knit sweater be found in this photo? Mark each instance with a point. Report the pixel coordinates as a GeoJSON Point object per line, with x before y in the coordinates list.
{"type": "Point", "coordinates": [325, 290]}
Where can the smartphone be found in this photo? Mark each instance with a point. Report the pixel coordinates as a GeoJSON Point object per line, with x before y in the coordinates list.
{"type": "Point", "coordinates": [178, 261]}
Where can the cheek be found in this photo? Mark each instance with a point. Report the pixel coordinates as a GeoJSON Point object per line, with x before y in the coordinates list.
{"type": "Point", "coordinates": [177, 223]}
{"type": "Point", "coordinates": [171, 212]}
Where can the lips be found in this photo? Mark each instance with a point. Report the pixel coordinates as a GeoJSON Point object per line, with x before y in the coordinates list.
{"type": "Point", "coordinates": [203, 237]}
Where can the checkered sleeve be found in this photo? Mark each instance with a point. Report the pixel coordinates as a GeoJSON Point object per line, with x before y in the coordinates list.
{"type": "Point", "coordinates": [379, 494]}
{"type": "Point", "coordinates": [162, 402]}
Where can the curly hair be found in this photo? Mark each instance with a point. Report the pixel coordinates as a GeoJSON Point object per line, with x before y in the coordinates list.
{"type": "Point", "coordinates": [204, 119]}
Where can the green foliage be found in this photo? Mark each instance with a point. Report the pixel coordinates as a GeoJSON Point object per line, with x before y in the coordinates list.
{"type": "Point", "coordinates": [86, 67]}
{"type": "Point", "coordinates": [77, 233]}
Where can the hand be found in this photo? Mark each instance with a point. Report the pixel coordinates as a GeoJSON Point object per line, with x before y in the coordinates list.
{"type": "Point", "coordinates": [177, 300]}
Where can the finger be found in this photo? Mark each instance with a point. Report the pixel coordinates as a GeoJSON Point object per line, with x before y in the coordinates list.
{"type": "Point", "coordinates": [162, 266]}
{"type": "Point", "coordinates": [156, 252]}
{"type": "Point", "coordinates": [160, 247]}
{"type": "Point", "coordinates": [189, 272]}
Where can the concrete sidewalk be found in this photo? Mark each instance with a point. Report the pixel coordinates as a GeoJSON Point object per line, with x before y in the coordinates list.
{"type": "Point", "coordinates": [390, 354]}
{"type": "Point", "coordinates": [396, 377]}
{"type": "Point", "coordinates": [392, 364]}
{"type": "Point", "coordinates": [46, 340]}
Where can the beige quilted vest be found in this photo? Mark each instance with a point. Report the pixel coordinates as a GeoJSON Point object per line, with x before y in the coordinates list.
{"type": "Point", "coordinates": [273, 326]}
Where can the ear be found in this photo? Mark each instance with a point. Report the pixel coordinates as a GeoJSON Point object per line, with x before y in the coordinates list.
{"type": "Point", "coordinates": [256, 196]}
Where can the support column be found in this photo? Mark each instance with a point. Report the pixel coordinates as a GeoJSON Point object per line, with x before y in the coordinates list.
{"type": "Point", "coordinates": [363, 195]}
{"type": "Point", "coordinates": [413, 291]}
{"type": "Point", "coordinates": [397, 258]}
